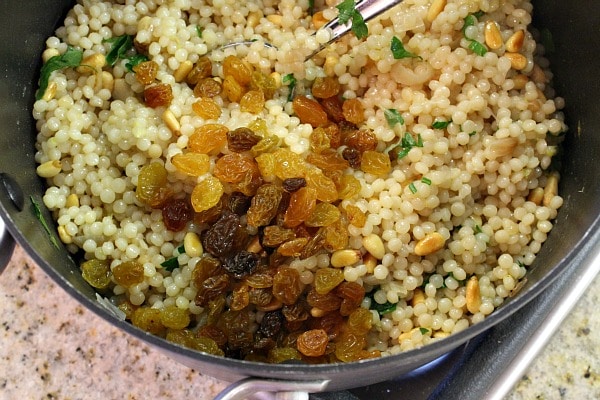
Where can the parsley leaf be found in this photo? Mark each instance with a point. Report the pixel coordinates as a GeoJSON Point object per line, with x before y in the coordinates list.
{"type": "Point", "coordinates": [348, 12]}
{"type": "Point", "coordinates": [477, 48]}
{"type": "Point", "coordinates": [424, 331]}
{"type": "Point", "coordinates": [173, 262]}
{"type": "Point", "coordinates": [199, 30]}
{"type": "Point", "coordinates": [398, 50]}
{"type": "Point", "coordinates": [426, 181]}
{"type": "Point", "coordinates": [71, 58]}
{"type": "Point", "coordinates": [38, 214]}
{"type": "Point", "coordinates": [290, 80]}
{"type": "Point", "coordinates": [120, 45]}
{"type": "Point", "coordinates": [407, 143]}
{"type": "Point", "coordinates": [441, 124]}
{"type": "Point", "coordinates": [135, 60]}
{"type": "Point", "coordinates": [393, 117]}
{"type": "Point", "coordinates": [412, 187]}
{"type": "Point", "coordinates": [311, 7]}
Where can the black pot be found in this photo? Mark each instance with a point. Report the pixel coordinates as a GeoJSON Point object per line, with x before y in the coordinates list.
{"type": "Point", "coordinates": [24, 25]}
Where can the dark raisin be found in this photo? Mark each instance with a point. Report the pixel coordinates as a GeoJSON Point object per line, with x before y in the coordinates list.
{"type": "Point", "coordinates": [224, 237]}
{"type": "Point", "coordinates": [176, 214]}
{"type": "Point", "coordinates": [212, 288]}
{"type": "Point", "coordinates": [352, 155]}
{"type": "Point", "coordinates": [242, 264]}
{"type": "Point", "coordinates": [295, 312]}
{"type": "Point", "coordinates": [292, 184]}
{"type": "Point", "coordinates": [271, 323]}
{"type": "Point", "coordinates": [333, 107]}
{"type": "Point", "coordinates": [260, 296]}
{"type": "Point", "coordinates": [238, 203]}
{"type": "Point", "coordinates": [241, 139]}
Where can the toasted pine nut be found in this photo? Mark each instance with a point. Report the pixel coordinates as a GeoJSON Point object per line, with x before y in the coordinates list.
{"type": "Point", "coordinates": [436, 7]}
{"type": "Point", "coordinates": [93, 62]}
{"type": "Point", "coordinates": [272, 306]}
{"type": "Point", "coordinates": [275, 18]}
{"type": "Point", "coordinates": [370, 263]}
{"type": "Point", "coordinates": [49, 169]}
{"type": "Point", "coordinates": [550, 190]}
{"type": "Point", "coordinates": [50, 92]}
{"type": "Point", "coordinates": [538, 75]}
{"type": "Point", "coordinates": [343, 258]}
{"type": "Point", "coordinates": [501, 147]}
{"type": "Point", "coordinates": [63, 235]}
{"type": "Point", "coordinates": [72, 201]}
{"type": "Point", "coordinates": [317, 312]}
{"type": "Point", "coordinates": [49, 53]}
{"type": "Point", "coordinates": [440, 334]}
{"type": "Point", "coordinates": [329, 65]}
{"type": "Point", "coordinates": [276, 76]}
{"type": "Point", "coordinates": [473, 295]}
{"type": "Point", "coordinates": [431, 243]}
{"type": "Point", "coordinates": [254, 246]}
{"type": "Point", "coordinates": [183, 70]}
{"type": "Point", "coordinates": [536, 196]}
{"type": "Point", "coordinates": [253, 18]}
{"type": "Point", "coordinates": [108, 81]}
{"type": "Point", "coordinates": [319, 19]}
{"type": "Point", "coordinates": [520, 81]}
{"type": "Point", "coordinates": [169, 119]}
{"type": "Point", "coordinates": [515, 42]}
{"type": "Point", "coordinates": [374, 245]}
{"type": "Point", "coordinates": [418, 297]}
{"type": "Point", "coordinates": [517, 60]}
{"type": "Point", "coordinates": [192, 245]}
{"type": "Point", "coordinates": [492, 35]}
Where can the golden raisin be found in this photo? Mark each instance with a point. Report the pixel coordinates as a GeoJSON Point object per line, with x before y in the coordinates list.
{"type": "Point", "coordinates": [348, 187]}
{"type": "Point", "coordinates": [206, 108]}
{"type": "Point", "coordinates": [361, 140]}
{"type": "Point", "coordinates": [336, 236]}
{"type": "Point", "coordinates": [232, 89]}
{"type": "Point", "coordinates": [286, 285]}
{"type": "Point", "coordinates": [309, 111]}
{"type": "Point", "coordinates": [202, 69]}
{"type": "Point", "coordinates": [207, 87]}
{"type": "Point", "coordinates": [264, 205]}
{"type": "Point", "coordinates": [192, 164]}
{"type": "Point", "coordinates": [252, 101]}
{"type": "Point", "coordinates": [174, 317]}
{"type": "Point", "coordinates": [328, 160]}
{"type": "Point", "coordinates": [333, 108]}
{"type": "Point", "coordinates": [233, 167]}
{"type": "Point", "coordinates": [319, 140]}
{"type": "Point", "coordinates": [208, 139]}
{"type": "Point", "coordinates": [324, 87]}
{"type": "Point", "coordinates": [264, 83]}
{"type": "Point", "coordinates": [326, 279]}
{"type": "Point", "coordinates": [354, 111]}
{"type": "Point", "coordinates": [356, 216]}
{"type": "Point", "coordinates": [158, 95]}
{"type": "Point", "coordinates": [274, 235]}
{"type": "Point", "coordinates": [266, 144]}
{"type": "Point", "coordinates": [96, 273]}
{"type": "Point", "coordinates": [293, 248]}
{"type": "Point", "coordinates": [375, 163]}
{"type": "Point", "coordinates": [206, 194]}
{"type": "Point", "coordinates": [349, 346]}
{"type": "Point", "coordinates": [242, 139]}
{"type": "Point", "coordinates": [145, 72]}
{"type": "Point", "coordinates": [324, 214]}
{"type": "Point", "coordinates": [288, 164]}
{"type": "Point", "coordinates": [325, 187]}
{"type": "Point", "coordinates": [152, 186]}
{"type": "Point", "coordinates": [148, 319]}
{"type": "Point", "coordinates": [302, 204]}
{"type": "Point", "coordinates": [312, 343]}
{"type": "Point", "coordinates": [233, 66]}
{"type": "Point", "coordinates": [128, 273]}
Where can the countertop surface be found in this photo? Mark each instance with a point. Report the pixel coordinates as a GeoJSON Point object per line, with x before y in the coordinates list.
{"type": "Point", "coordinates": [53, 348]}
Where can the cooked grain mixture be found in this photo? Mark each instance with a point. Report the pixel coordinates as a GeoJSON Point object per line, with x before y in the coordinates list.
{"type": "Point", "coordinates": [234, 198]}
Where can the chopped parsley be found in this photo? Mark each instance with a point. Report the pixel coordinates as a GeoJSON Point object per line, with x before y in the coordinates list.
{"type": "Point", "coordinates": [122, 49]}
{"type": "Point", "coordinates": [393, 117]}
{"type": "Point", "coordinates": [477, 229]}
{"type": "Point", "coordinates": [38, 214]}
{"type": "Point", "coordinates": [424, 331]}
{"type": "Point", "coordinates": [348, 12]}
{"type": "Point", "coordinates": [199, 30]}
{"type": "Point", "coordinates": [70, 59]}
{"type": "Point", "coordinates": [407, 143]}
{"type": "Point", "coordinates": [173, 262]}
{"type": "Point", "coordinates": [382, 309]}
{"type": "Point", "coordinates": [426, 181]}
{"type": "Point", "coordinates": [520, 264]}
{"type": "Point", "coordinates": [311, 7]}
{"type": "Point", "coordinates": [135, 60]}
{"type": "Point", "coordinates": [475, 46]}
{"type": "Point", "coordinates": [472, 133]}
{"type": "Point", "coordinates": [441, 124]}
{"type": "Point", "coordinates": [398, 50]}
{"type": "Point", "coordinates": [412, 187]}
{"type": "Point", "coordinates": [290, 80]}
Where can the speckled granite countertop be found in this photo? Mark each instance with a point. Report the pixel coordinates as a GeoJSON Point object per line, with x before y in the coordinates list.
{"type": "Point", "coordinates": [52, 348]}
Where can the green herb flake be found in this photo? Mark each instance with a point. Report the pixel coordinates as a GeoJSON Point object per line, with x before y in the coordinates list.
{"type": "Point", "coordinates": [472, 133]}
{"type": "Point", "coordinates": [412, 187]}
{"type": "Point", "coordinates": [470, 20]}
{"type": "Point", "coordinates": [136, 59]}
{"type": "Point", "coordinates": [441, 124]}
{"type": "Point", "coordinates": [37, 211]}
{"type": "Point", "coordinates": [348, 12]}
{"type": "Point", "coordinates": [426, 181]}
{"type": "Point", "coordinates": [199, 30]}
{"type": "Point", "coordinates": [424, 331]}
{"type": "Point", "coordinates": [70, 59]}
{"type": "Point", "coordinates": [120, 45]}
{"type": "Point", "coordinates": [407, 143]}
{"type": "Point", "coordinates": [393, 117]}
{"type": "Point", "coordinates": [520, 264]}
{"type": "Point", "coordinates": [170, 264]}
{"type": "Point", "coordinates": [382, 309]}
{"type": "Point", "coordinates": [477, 229]}
{"type": "Point", "coordinates": [289, 80]}
{"type": "Point", "coordinates": [311, 7]}
{"type": "Point", "coordinates": [398, 50]}
{"type": "Point", "coordinates": [477, 48]}
{"type": "Point", "coordinates": [181, 249]}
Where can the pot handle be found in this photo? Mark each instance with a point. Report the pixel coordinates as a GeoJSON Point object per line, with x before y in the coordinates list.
{"type": "Point", "coordinates": [7, 245]}
{"type": "Point", "coordinates": [271, 389]}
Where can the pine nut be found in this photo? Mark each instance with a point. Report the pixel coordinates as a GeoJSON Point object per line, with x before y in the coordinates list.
{"type": "Point", "coordinates": [440, 334]}
{"type": "Point", "coordinates": [192, 244]}
{"type": "Point", "coordinates": [418, 297]}
{"type": "Point", "coordinates": [49, 53]}
{"type": "Point", "coordinates": [473, 295]}
{"type": "Point", "coordinates": [370, 263]}
{"type": "Point", "coordinates": [108, 81]}
{"type": "Point", "coordinates": [550, 190]}
{"type": "Point", "coordinates": [431, 243]}
{"type": "Point", "coordinates": [319, 19]}
{"type": "Point", "coordinates": [329, 65]}
{"type": "Point", "coordinates": [536, 196]}
{"type": "Point", "coordinates": [49, 169]}
{"type": "Point", "coordinates": [517, 60]}
{"type": "Point", "coordinates": [346, 257]}
{"type": "Point", "coordinates": [515, 42]}
{"type": "Point", "coordinates": [182, 72]}
{"type": "Point", "coordinates": [519, 81]}
{"type": "Point", "coordinates": [374, 245]}
{"type": "Point", "coordinates": [169, 119]}
{"type": "Point", "coordinates": [317, 312]}
{"type": "Point", "coordinates": [276, 76]}
{"type": "Point", "coordinates": [501, 147]}
{"type": "Point", "coordinates": [492, 35]}
{"type": "Point", "coordinates": [92, 63]}
{"type": "Point", "coordinates": [253, 19]}
{"type": "Point", "coordinates": [436, 7]}
{"type": "Point", "coordinates": [50, 92]}
{"type": "Point", "coordinates": [538, 75]}
{"type": "Point", "coordinates": [275, 18]}
{"type": "Point", "coordinates": [63, 235]}
{"type": "Point", "coordinates": [72, 201]}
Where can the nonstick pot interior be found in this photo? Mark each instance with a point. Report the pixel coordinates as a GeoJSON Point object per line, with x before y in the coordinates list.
{"type": "Point", "coordinates": [24, 25]}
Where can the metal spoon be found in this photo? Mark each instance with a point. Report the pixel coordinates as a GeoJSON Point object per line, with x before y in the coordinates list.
{"type": "Point", "coordinates": [369, 9]}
